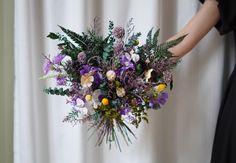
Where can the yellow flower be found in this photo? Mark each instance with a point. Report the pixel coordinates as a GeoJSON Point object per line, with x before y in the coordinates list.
{"type": "Point", "coordinates": [159, 88]}
{"type": "Point", "coordinates": [86, 80]}
{"type": "Point", "coordinates": [136, 42]}
{"type": "Point", "coordinates": [88, 97]}
{"type": "Point", "coordinates": [105, 101]}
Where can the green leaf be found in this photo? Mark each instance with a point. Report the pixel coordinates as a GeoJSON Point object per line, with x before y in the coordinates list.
{"type": "Point", "coordinates": [75, 37]}
{"type": "Point", "coordinates": [56, 91]}
{"type": "Point", "coordinates": [149, 37]}
{"type": "Point", "coordinates": [172, 43]}
{"type": "Point", "coordinates": [105, 56]}
{"type": "Point", "coordinates": [155, 37]}
{"type": "Point", "coordinates": [53, 36]}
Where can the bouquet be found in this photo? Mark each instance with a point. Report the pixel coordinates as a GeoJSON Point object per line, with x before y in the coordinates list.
{"type": "Point", "coordinates": [111, 82]}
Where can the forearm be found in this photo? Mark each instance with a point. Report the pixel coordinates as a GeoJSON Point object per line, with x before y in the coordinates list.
{"type": "Point", "coordinates": [197, 28]}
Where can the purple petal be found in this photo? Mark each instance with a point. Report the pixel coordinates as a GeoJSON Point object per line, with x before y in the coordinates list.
{"type": "Point", "coordinates": [61, 80]}
{"type": "Point", "coordinates": [85, 69]}
{"type": "Point", "coordinates": [163, 98]}
{"type": "Point", "coordinates": [58, 58]}
{"type": "Point", "coordinates": [47, 67]}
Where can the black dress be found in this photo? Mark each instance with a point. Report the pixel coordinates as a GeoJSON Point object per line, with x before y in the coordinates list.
{"type": "Point", "coordinates": [224, 146]}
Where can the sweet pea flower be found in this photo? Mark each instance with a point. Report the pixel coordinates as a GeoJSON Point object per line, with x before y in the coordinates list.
{"type": "Point", "coordinates": [80, 107]}
{"type": "Point", "coordinates": [126, 62]}
{"type": "Point", "coordinates": [47, 67]}
{"type": "Point", "coordinates": [58, 58]}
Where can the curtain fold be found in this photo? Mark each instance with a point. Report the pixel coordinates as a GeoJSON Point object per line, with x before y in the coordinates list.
{"type": "Point", "coordinates": [182, 132]}
{"type": "Point", "coordinates": [6, 80]}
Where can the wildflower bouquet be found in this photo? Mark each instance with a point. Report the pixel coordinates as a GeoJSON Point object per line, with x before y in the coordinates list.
{"type": "Point", "coordinates": [110, 82]}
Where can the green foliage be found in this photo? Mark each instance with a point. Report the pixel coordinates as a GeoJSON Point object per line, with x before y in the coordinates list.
{"type": "Point", "coordinates": [170, 44]}
{"type": "Point", "coordinates": [53, 36]}
{"type": "Point", "coordinates": [57, 91]}
{"type": "Point", "coordinates": [108, 43]}
{"type": "Point", "coordinates": [80, 40]}
{"type": "Point", "coordinates": [141, 114]}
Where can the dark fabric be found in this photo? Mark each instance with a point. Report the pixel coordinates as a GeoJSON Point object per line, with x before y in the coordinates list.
{"type": "Point", "coordinates": [227, 9]}
{"type": "Point", "coordinates": [224, 146]}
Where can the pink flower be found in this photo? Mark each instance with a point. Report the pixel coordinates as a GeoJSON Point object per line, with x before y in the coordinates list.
{"type": "Point", "coordinates": [119, 32]}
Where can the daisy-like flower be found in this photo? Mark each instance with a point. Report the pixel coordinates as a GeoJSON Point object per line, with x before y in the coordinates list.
{"type": "Point", "coordinates": [87, 80]}
{"type": "Point", "coordinates": [120, 92]}
{"type": "Point", "coordinates": [111, 75]}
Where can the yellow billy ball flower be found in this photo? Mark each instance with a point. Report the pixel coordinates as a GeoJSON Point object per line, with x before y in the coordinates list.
{"type": "Point", "coordinates": [105, 101]}
{"type": "Point", "coordinates": [160, 88]}
{"type": "Point", "coordinates": [88, 97]}
{"type": "Point", "coordinates": [136, 42]}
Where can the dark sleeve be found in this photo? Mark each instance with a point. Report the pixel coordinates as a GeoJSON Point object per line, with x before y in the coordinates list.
{"type": "Point", "coordinates": [227, 22]}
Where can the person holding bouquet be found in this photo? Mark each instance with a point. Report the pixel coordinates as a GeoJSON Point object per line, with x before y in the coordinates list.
{"type": "Point", "coordinates": [222, 15]}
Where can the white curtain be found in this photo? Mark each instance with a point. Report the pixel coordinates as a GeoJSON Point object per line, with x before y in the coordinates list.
{"type": "Point", "coordinates": [182, 132]}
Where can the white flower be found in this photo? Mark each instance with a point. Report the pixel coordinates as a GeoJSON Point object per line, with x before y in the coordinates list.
{"type": "Point", "coordinates": [94, 102]}
{"type": "Point", "coordinates": [95, 99]}
{"type": "Point", "coordinates": [120, 92]}
{"type": "Point", "coordinates": [111, 75]}
{"type": "Point", "coordinates": [80, 107]}
{"type": "Point", "coordinates": [86, 80]}
{"type": "Point", "coordinates": [129, 118]}
{"type": "Point", "coordinates": [134, 57]}
{"type": "Point", "coordinates": [79, 103]}
{"type": "Point", "coordinates": [148, 74]}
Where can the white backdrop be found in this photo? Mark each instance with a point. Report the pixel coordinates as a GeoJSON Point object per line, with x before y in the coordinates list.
{"type": "Point", "coordinates": [182, 132]}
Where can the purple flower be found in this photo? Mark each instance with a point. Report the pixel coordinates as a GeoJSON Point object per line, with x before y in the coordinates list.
{"type": "Point", "coordinates": [126, 62]}
{"type": "Point", "coordinates": [118, 47]}
{"type": "Point", "coordinates": [167, 75]}
{"type": "Point", "coordinates": [81, 57]}
{"type": "Point", "coordinates": [97, 78]}
{"type": "Point", "coordinates": [160, 65]}
{"type": "Point", "coordinates": [119, 32]}
{"type": "Point", "coordinates": [125, 111]}
{"type": "Point", "coordinates": [47, 67]}
{"type": "Point", "coordinates": [163, 98]}
{"type": "Point", "coordinates": [58, 58]}
{"type": "Point", "coordinates": [85, 69]}
{"type": "Point", "coordinates": [60, 80]}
